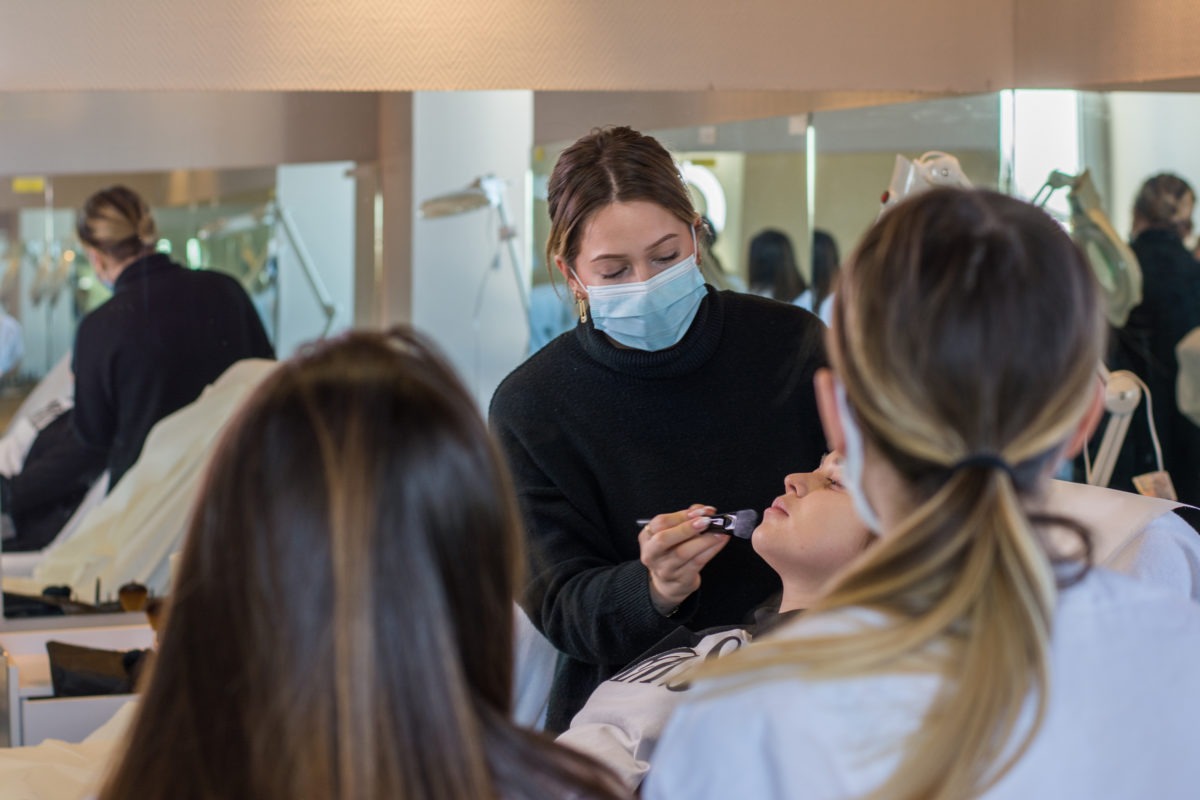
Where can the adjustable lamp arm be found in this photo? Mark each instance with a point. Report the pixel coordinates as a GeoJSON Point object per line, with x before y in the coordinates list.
{"type": "Point", "coordinates": [1122, 395]}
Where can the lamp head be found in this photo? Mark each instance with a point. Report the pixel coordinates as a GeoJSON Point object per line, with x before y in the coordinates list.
{"type": "Point", "coordinates": [480, 193]}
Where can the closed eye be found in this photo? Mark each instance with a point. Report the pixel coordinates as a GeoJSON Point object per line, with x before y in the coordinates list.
{"type": "Point", "coordinates": [615, 273]}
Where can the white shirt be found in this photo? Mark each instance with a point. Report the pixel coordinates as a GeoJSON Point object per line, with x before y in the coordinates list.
{"type": "Point", "coordinates": [1131, 534]}
{"type": "Point", "coordinates": [1122, 716]}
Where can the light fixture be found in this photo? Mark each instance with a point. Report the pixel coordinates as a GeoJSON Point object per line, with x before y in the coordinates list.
{"type": "Point", "coordinates": [279, 221]}
{"type": "Point", "coordinates": [452, 203]}
{"type": "Point", "coordinates": [1120, 278]}
{"type": "Point", "coordinates": [1115, 265]}
{"type": "Point", "coordinates": [486, 191]}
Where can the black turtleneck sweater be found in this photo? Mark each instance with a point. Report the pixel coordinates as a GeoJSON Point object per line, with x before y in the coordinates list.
{"type": "Point", "coordinates": [166, 333]}
{"type": "Point", "coordinates": [1170, 308]}
{"type": "Point", "coordinates": [598, 436]}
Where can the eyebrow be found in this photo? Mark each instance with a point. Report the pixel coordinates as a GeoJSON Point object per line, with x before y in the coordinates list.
{"type": "Point", "coordinates": [604, 256]}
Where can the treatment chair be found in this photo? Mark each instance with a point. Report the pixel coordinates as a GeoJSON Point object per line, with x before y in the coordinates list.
{"type": "Point", "coordinates": [131, 534]}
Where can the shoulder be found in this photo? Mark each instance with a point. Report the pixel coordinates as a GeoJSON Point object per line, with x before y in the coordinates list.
{"type": "Point", "coordinates": [539, 378]}
{"type": "Point", "coordinates": [1112, 608]}
{"type": "Point", "coordinates": [212, 280]}
{"type": "Point", "coordinates": [1165, 552]}
{"type": "Point", "coordinates": [757, 740]}
{"type": "Point", "coordinates": [95, 330]}
{"type": "Point", "coordinates": [752, 306]}
{"type": "Point", "coordinates": [778, 324]}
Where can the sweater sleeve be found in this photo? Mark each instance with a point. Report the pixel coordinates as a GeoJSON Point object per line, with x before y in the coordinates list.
{"type": "Point", "coordinates": [591, 603]}
{"type": "Point", "coordinates": [95, 414]}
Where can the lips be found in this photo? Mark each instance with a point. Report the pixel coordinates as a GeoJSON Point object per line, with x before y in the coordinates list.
{"type": "Point", "coordinates": [778, 506]}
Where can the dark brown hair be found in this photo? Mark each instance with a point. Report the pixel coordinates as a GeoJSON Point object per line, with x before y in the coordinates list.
{"type": "Point", "coordinates": [1159, 205]}
{"type": "Point", "coordinates": [771, 266]}
{"type": "Point", "coordinates": [609, 165]}
{"type": "Point", "coordinates": [341, 624]}
{"type": "Point", "coordinates": [117, 222]}
{"type": "Point", "coordinates": [826, 262]}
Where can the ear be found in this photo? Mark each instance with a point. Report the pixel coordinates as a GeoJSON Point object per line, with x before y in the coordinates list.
{"type": "Point", "coordinates": [831, 420]}
{"type": "Point", "coordinates": [1087, 425]}
{"type": "Point", "coordinates": [565, 271]}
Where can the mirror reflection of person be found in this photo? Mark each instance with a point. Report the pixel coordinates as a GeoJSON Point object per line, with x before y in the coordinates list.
{"type": "Point", "coordinates": [165, 334]}
{"type": "Point", "coordinates": [45, 474]}
{"type": "Point", "coordinates": [667, 394]}
{"type": "Point", "coordinates": [1170, 308]}
{"type": "Point", "coordinates": [826, 263]}
{"type": "Point", "coordinates": [340, 625]}
{"type": "Point", "coordinates": [962, 655]}
{"type": "Point", "coordinates": [773, 271]}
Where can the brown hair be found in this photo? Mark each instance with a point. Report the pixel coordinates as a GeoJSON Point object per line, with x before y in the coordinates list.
{"type": "Point", "coordinates": [772, 267]}
{"type": "Point", "coordinates": [341, 624]}
{"type": "Point", "coordinates": [825, 266]}
{"type": "Point", "coordinates": [609, 165]}
{"type": "Point", "coordinates": [117, 222]}
{"type": "Point", "coordinates": [1159, 205]}
{"type": "Point", "coordinates": [967, 323]}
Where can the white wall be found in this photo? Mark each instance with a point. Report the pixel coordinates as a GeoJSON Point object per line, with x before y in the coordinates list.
{"type": "Point", "coordinates": [320, 200]}
{"type": "Point", "coordinates": [1150, 133]}
{"type": "Point", "coordinates": [383, 45]}
{"type": "Point", "coordinates": [65, 132]}
{"type": "Point", "coordinates": [457, 137]}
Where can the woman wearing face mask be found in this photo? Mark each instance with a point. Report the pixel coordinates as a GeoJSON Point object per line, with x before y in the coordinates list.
{"type": "Point", "coordinates": [966, 653]}
{"type": "Point", "coordinates": [1170, 309]}
{"type": "Point", "coordinates": [667, 401]}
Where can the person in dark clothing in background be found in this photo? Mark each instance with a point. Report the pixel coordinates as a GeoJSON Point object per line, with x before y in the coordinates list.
{"type": "Point", "coordinates": [166, 333]}
{"type": "Point", "coordinates": [55, 476]}
{"type": "Point", "coordinates": [666, 395]}
{"type": "Point", "coordinates": [1170, 307]}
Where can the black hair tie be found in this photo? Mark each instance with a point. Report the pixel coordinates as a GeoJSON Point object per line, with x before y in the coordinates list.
{"type": "Point", "coordinates": [988, 460]}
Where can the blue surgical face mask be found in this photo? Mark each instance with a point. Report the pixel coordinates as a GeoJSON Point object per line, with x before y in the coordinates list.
{"type": "Point", "coordinates": [854, 458]}
{"type": "Point", "coordinates": [649, 315]}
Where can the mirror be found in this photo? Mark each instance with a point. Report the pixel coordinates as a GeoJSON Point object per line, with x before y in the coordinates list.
{"type": "Point", "coordinates": [316, 157]}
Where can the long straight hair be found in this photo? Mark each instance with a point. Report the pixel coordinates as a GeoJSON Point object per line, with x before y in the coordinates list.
{"type": "Point", "coordinates": [825, 265]}
{"type": "Point", "coordinates": [966, 323]}
{"type": "Point", "coordinates": [341, 625]}
{"type": "Point", "coordinates": [771, 266]}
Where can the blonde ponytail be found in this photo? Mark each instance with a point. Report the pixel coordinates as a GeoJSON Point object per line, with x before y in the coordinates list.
{"type": "Point", "coordinates": [117, 222]}
{"type": "Point", "coordinates": [969, 400]}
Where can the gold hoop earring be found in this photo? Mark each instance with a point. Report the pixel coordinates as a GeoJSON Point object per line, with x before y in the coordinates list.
{"type": "Point", "coordinates": [581, 304]}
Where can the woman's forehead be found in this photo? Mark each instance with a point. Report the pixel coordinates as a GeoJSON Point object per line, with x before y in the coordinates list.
{"type": "Point", "coordinates": [628, 227]}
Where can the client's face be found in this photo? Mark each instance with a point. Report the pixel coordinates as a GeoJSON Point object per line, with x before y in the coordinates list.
{"type": "Point", "coordinates": [811, 530]}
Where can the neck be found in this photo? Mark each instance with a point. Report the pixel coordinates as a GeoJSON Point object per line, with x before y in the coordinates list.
{"type": "Point", "coordinates": [801, 592]}
{"type": "Point", "coordinates": [115, 270]}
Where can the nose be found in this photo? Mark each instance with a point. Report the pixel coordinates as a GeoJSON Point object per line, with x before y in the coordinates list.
{"type": "Point", "coordinates": [798, 483]}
